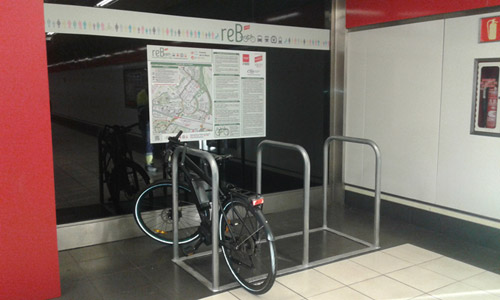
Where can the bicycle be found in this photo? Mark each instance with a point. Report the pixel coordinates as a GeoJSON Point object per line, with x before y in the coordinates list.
{"type": "Point", "coordinates": [245, 236]}
{"type": "Point", "coordinates": [123, 177]}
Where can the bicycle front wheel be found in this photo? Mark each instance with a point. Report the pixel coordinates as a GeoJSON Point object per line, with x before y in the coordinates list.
{"type": "Point", "coordinates": [248, 246]}
{"type": "Point", "coordinates": [153, 213]}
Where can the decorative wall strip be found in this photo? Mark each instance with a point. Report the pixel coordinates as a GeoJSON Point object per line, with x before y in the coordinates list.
{"type": "Point", "coordinates": [72, 19]}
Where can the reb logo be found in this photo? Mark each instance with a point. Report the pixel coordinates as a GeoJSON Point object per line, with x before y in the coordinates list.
{"type": "Point", "coordinates": [234, 34]}
{"type": "Point", "coordinates": [161, 52]}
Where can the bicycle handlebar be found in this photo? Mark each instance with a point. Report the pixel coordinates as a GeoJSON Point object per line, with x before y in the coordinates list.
{"type": "Point", "coordinates": [120, 129]}
{"type": "Point", "coordinates": [175, 139]}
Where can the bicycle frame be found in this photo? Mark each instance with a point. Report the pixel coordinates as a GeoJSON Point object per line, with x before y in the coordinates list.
{"type": "Point", "coordinates": [190, 170]}
{"type": "Point", "coordinates": [238, 227]}
{"type": "Point", "coordinates": [215, 210]}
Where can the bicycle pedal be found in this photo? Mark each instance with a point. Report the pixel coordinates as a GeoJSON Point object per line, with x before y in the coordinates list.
{"type": "Point", "coordinates": [205, 205]}
{"type": "Point", "coordinates": [188, 250]}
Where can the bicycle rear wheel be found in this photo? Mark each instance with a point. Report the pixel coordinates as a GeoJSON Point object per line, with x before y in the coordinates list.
{"type": "Point", "coordinates": [127, 181]}
{"type": "Point", "coordinates": [248, 246]}
{"type": "Point", "coordinates": [153, 213]}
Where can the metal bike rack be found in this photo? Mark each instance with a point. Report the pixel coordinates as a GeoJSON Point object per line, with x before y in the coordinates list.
{"type": "Point", "coordinates": [214, 285]}
{"type": "Point", "coordinates": [306, 231]}
{"type": "Point", "coordinates": [378, 165]}
{"type": "Point", "coordinates": [307, 189]}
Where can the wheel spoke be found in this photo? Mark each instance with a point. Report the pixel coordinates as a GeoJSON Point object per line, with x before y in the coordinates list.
{"type": "Point", "coordinates": [251, 262]}
{"type": "Point", "coordinates": [153, 213]}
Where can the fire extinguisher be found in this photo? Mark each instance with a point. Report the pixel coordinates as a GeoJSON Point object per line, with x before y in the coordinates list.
{"type": "Point", "coordinates": [491, 114]}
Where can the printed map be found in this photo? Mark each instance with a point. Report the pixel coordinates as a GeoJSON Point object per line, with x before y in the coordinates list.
{"type": "Point", "coordinates": [186, 105]}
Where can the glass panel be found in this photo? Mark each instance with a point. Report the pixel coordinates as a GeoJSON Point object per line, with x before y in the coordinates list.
{"type": "Point", "coordinates": [93, 80]}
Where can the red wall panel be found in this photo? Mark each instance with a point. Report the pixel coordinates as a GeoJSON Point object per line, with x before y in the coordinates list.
{"type": "Point", "coordinates": [369, 12]}
{"type": "Point", "coordinates": [29, 266]}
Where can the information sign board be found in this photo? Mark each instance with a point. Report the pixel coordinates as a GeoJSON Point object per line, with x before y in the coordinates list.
{"type": "Point", "coordinates": [206, 93]}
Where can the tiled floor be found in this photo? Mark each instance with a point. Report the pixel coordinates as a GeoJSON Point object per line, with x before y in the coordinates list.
{"type": "Point", "coordinates": [401, 272]}
{"type": "Point", "coordinates": [413, 263]}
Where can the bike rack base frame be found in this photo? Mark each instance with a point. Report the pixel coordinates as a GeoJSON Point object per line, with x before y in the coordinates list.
{"type": "Point", "coordinates": [306, 230]}
{"type": "Point", "coordinates": [214, 285]}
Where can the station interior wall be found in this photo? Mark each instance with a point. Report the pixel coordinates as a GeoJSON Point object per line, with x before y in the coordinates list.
{"type": "Point", "coordinates": [29, 265]}
{"type": "Point", "coordinates": [410, 89]}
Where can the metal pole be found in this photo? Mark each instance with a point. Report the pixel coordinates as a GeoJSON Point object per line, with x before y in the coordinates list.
{"type": "Point", "coordinates": [215, 207]}
{"type": "Point", "coordinates": [215, 219]}
{"type": "Point", "coordinates": [338, 33]}
{"type": "Point", "coordinates": [378, 167]}
{"type": "Point", "coordinates": [259, 168]}
{"type": "Point", "coordinates": [175, 201]}
{"type": "Point", "coordinates": [307, 185]}
{"type": "Point", "coordinates": [307, 190]}
{"type": "Point", "coordinates": [325, 183]}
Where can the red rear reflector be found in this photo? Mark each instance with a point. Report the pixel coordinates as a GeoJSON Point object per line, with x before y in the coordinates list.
{"type": "Point", "coordinates": [258, 201]}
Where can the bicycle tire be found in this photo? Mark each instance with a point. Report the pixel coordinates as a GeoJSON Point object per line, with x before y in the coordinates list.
{"type": "Point", "coordinates": [248, 246]}
{"type": "Point", "coordinates": [107, 169]}
{"type": "Point", "coordinates": [153, 213]}
{"type": "Point", "coordinates": [127, 181]}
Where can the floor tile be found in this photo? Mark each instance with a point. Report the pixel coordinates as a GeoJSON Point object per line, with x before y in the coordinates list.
{"type": "Point", "coordinates": [487, 281]}
{"type": "Point", "coordinates": [144, 251]}
{"type": "Point", "coordinates": [105, 265]}
{"type": "Point", "coordinates": [309, 283]}
{"type": "Point", "coordinates": [149, 292]}
{"type": "Point", "coordinates": [347, 272]}
{"type": "Point", "coordinates": [412, 254]}
{"type": "Point", "coordinates": [344, 293]}
{"type": "Point", "coordinates": [424, 297]}
{"type": "Point", "coordinates": [222, 296]}
{"type": "Point", "coordinates": [451, 268]}
{"type": "Point", "coordinates": [174, 281]}
{"type": "Point", "coordinates": [95, 252]}
{"type": "Point", "coordinates": [79, 290]}
{"type": "Point", "coordinates": [462, 291]}
{"type": "Point", "coordinates": [120, 282]}
{"type": "Point", "coordinates": [69, 268]}
{"type": "Point", "coordinates": [381, 262]}
{"type": "Point", "coordinates": [383, 288]}
{"type": "Point", "coordinates": [479, 256]}
{"type": "Point", "coordinates": [421, 279]}
{"type": "Point", "coordinates": [277, 292]}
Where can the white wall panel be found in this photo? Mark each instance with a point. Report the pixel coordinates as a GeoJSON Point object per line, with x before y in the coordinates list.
{"type": "Point", "coordinates": [469, 165]}
{"type": "Point", "coordinates": [393, 98]}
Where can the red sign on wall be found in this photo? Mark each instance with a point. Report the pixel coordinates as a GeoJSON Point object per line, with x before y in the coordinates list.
{"type": "Point", "coordinates": [490, 29]}
{"type": "Point", "coordinates": [368, 12]}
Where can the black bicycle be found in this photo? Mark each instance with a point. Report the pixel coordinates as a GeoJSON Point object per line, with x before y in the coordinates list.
{"type": "Point", "coordinates": [245, 236]}
{"type": "Point", "coordinates": [123, 177]}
